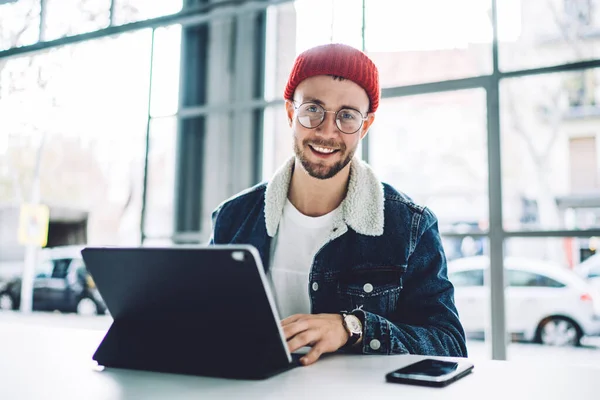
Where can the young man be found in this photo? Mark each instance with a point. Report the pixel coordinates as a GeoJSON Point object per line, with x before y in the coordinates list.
{"type": "Point", "coordinates": [353, 263]}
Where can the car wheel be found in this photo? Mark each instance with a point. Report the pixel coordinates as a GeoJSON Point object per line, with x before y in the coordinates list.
{"type": "Point", "coordinates": [559, 331]}
{"type": "Point", "coordinates": [87, 306]}
{"type": "Point", "coordinates": [6, 302]}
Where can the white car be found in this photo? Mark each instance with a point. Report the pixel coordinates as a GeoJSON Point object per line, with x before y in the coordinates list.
{"type": "Point", "coordinates": [590, 270]}
{"type": "Point", "coordinates": [545, 302]}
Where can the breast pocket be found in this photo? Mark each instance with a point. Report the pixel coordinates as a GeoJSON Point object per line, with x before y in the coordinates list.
{"type": "Point", "coordinates": [374, 289]}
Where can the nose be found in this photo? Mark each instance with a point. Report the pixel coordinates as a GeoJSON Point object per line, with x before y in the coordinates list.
{"type": "Point", "coordinates": [329, 125]}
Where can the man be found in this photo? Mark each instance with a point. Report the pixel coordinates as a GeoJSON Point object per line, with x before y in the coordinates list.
{"type": "Point", "coordinates": [353, 263]}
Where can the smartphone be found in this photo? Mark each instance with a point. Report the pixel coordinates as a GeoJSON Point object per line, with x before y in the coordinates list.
{"type": "Point", "coordinates": [430, 372]}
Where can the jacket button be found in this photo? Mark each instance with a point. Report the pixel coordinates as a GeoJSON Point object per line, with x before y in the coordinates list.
{"type": "Point", "coordinates": [315, 286]}
{"type": "Point", "coordinates": [368, 288]}
{"type": "Point", "coordinates": [375, 344]}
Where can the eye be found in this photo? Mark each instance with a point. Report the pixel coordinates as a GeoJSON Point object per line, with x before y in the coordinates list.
{"type": "Point", "coordinates": [312, 108]}
{"type": "Point", "coordinates": [347, 115]}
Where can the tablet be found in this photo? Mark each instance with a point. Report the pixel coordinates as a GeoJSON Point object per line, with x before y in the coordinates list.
{"type": "Point", "coordinates": [203, 310]}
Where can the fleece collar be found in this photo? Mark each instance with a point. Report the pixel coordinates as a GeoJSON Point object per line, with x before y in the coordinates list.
{"type": "Point", "coordinates": [361, 210]}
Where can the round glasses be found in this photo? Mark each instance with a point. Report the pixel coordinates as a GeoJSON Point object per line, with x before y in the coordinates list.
{"type": "Point", "coordinates": [311, 115]}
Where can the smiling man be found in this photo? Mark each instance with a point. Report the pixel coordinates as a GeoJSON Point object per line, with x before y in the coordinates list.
{"type": "Point", "coordinates": [354, 264]}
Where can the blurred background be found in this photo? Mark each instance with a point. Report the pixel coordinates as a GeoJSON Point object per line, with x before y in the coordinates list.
{"type": "Point", "coordinates": [126, 122]}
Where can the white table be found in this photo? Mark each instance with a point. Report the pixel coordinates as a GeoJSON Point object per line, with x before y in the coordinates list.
{"type": "Point", "coordinates": [51, 363]}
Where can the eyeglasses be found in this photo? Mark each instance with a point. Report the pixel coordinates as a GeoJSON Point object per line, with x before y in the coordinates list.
{"type": "Point", "coordinates": [311, 116]}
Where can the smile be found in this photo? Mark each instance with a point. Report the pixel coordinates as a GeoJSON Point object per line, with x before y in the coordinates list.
{"type": "Point", "coordinates": [323, 150]}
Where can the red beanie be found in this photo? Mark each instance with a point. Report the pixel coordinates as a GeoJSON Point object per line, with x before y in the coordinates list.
{"type": "Point", "coordinates": [338, 60]}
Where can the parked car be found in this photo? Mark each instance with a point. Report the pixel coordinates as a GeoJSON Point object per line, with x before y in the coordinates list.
{"type": "Point", "coordinates": [545, 303]}
{"type": "Point", "coordinates": [589, 269]}
{"type": "Point", "coordinates": [61, 284]}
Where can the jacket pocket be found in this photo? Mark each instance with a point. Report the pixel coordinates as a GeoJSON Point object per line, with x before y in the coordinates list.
{"type": "Point", "coordinates": [374, 289]}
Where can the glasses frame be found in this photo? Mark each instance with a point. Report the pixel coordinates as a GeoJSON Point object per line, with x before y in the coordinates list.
{"type": "Point", "coordinates": [325, 111]}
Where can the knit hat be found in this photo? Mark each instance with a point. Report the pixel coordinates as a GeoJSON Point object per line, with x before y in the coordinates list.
{"type": "Point", "coordinates": [338, 60]}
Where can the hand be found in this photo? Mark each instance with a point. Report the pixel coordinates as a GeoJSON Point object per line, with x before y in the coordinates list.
{"type": "Point", "coordinates": [325, 333]}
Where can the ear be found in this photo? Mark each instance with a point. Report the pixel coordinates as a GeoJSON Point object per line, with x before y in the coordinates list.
{"type": "Point", "coordinates": [289, 110]}
{"type": "Point", "coordinates": [366, 125]}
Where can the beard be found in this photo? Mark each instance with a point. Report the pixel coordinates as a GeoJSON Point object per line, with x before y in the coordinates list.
{"type": "Point", "coordinates": [321, 169]}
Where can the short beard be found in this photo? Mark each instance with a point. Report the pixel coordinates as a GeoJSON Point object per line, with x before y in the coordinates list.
{"type": "Point", "coordinates": [317, 170]}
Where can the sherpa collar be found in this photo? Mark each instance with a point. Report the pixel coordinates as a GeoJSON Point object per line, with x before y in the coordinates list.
{"type": "Point", "coordinates": [362, 209]}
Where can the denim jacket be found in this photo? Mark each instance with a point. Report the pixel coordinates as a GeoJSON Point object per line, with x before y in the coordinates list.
{"type": "Point", "coordinates": [384, 256]}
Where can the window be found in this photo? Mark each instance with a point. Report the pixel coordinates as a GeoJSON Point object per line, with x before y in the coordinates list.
{"type": "Point", "coordinates": [583, 164]}
{"type": "Point", "coordinates": [127, 11]}
{"type": "Point", "coordinates": [535, 33]}
{"type": "Point", "coordinates": [72, 17]}
{"type": "Point", "coordinates": [548, 153]}
{"type": "Point", "coordinates": [428, 40]}
{"type": "Point", "coordinates": [61, 268]}
{"type": "Point", "coordinates": [161, 178]}
{"type": "Point", "coordinates": [467, 278]}
{"type": "Point", "coordinates": [91, 113]}
{"type": "Point", "coordinates": [79, 267]}
{"type": "Point", "coordinates": [581, 88]}
{"type": "Point", "coordinates": [578, 13]}
{"type": "Point", "coordinates": [44, 270]}
{"type": "Point", "coordinates": [19, 23]}
{"type": "Point", "coordinates": [448, 131]}
{"type": "Point", "coordinates": [529, 279]}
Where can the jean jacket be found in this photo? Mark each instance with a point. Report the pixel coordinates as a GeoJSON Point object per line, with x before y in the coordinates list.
{"type": "Point", "coordinates": [383, 256]}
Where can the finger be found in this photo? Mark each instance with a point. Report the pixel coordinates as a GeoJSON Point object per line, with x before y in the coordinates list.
{"type": "Point", "coordinates": [290, 330]}
{"type": "Point", "coordinates": [313, 355]}
{"type": "Point", "coordinates": [305, 338]}
{"type": "Point", "coordinates": [293, 318]}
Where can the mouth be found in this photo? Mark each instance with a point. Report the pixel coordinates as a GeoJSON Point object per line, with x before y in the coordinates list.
{"type": "Point", "coordinates": [322, 151]}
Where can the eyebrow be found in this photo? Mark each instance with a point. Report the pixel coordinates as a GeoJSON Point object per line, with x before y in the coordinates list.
{"type": "Point", "coordinates": [321, 103]}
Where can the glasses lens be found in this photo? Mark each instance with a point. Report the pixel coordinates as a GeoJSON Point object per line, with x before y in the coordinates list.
{"type": "Point", "coordinates": [310, 115]}
{"type": "Point", "coordinates": [349, 121]}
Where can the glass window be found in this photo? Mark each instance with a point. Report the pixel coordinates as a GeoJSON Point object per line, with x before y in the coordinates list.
{"type": "Point", "coordinates": [19, 23]}
{"type": "Point", "coordinates": [72, 17]}
{"type": "Point", "coordinates": [537, 33]}
{"type": "Point", "coordinates": [550, 154]}
{"type": "Point", "coordinates": [61, 268]}
{"type": "Point", "coordinates": [467, 278]}
{"type": "Point", "coordinates": [428, 40]}
{"type": "Point", "coordinates": [277, 140]}
{"type": "Point", "coordinates": [521, 278]}
{"type": "Point", "coordinates": [126, 11]}
{"type": "Point", "coordinates": [544, 281]}
{"type": "Point", "coordinates": [165, 71]}
{"type": "Point", "coordinates": [433, 148]}
{"type": "Point", "coordinates": [296, 26]}
{"type": "Point", "coordinates": [161, 177]}
{"type": "Point", "coordinates": [403, 38]}
{"type": "Point", "coordinates": [90, 125]}
{"type": "Point", "coordinates": [78, 266]}
{"type": "Point", "coordinates": [528, 279]}
{"type": "Point", "coordinates": [44, 269]}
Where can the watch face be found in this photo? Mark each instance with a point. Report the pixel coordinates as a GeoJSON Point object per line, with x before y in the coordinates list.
{"type": "Point", "coordinates": [353, 324]}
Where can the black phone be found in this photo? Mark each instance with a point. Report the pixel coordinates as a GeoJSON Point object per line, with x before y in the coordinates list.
{"type": "Point", "coordinates": [430, 372]}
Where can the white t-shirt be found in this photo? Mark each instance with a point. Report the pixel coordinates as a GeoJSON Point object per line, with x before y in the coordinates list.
{"type": "Point", "coordinates": [296, 243]}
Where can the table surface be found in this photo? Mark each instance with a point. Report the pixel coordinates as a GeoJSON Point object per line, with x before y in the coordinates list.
{"type": "Point", "coordinates": [39, 362]}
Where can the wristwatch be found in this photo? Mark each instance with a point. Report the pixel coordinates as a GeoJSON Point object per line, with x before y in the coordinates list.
{"type": "Point", "coordinates": [353, 327]}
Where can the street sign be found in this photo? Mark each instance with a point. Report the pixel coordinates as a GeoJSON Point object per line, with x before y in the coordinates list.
{"type": "Point", "coordinates": [33, 224]}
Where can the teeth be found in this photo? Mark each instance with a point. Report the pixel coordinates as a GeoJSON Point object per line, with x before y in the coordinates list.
{"type": "Point", "coordinates": [323, 150]}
